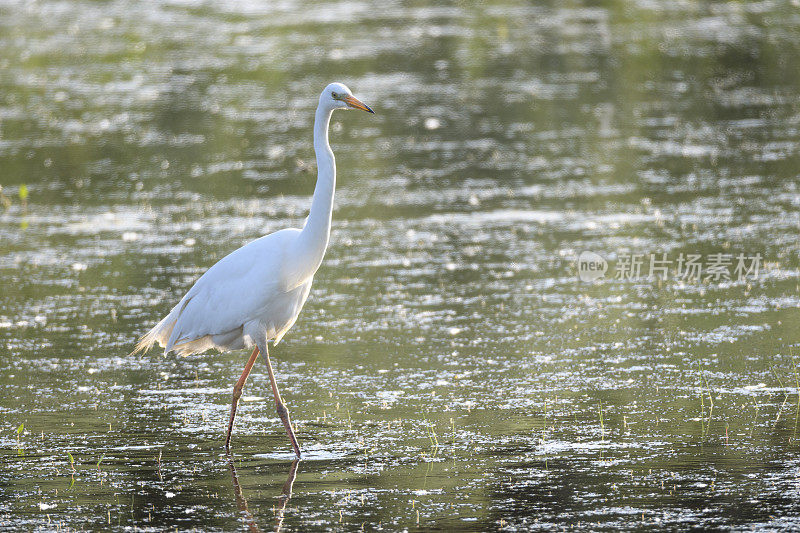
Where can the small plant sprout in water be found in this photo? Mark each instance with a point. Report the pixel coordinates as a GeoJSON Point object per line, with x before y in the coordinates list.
{"type": "Point", "coordinates": [99, 472]}
{"type": "Point", "coordinates": [20, 431]}
{"type": "Point", "coordinates": [72, 467]}
{"type": "Point", "coordinates": [158, 462]}
{"type": "Point", "coordinates": [434, 440]}
{"type": "Point", "coordinates": [785, 398]}
{"type": "Point", "coordinates": [23, 198]}
{"type": "Point", "coordinates": [705, 390]}
{"type": "Point", "coordinates": [23, 195]}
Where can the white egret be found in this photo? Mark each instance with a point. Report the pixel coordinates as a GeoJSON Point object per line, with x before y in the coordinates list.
{"type": "Point", "coordinates": [255, 293]}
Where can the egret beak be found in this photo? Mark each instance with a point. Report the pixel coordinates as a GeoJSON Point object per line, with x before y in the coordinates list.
{"type": "Point", "coordinates": [355, 103]}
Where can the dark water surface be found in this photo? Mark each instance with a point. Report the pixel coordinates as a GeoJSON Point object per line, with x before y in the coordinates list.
{"type": "Point", "coordinates": [450, 370]}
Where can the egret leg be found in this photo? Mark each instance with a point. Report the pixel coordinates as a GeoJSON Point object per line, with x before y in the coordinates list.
{"type": "Point", "coordinates": [281, 407]}
{"type": "Point", "coordinates": [237, 393]}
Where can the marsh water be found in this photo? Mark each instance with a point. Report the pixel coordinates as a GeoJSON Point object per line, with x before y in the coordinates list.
{"type": "Point", "coordinates": [451, 369]}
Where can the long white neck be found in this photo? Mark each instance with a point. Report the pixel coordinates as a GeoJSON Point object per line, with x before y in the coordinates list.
{"type": "Point", "coordinates": [313, 239]}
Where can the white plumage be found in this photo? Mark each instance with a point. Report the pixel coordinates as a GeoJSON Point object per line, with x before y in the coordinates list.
{"type": "Point", "coordinates": [255, 293]}
{"type": "Point", "coordinates": [246, 295]}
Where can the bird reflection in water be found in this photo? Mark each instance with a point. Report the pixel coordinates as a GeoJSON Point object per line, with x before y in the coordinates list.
{"type": "Point", "coordinates": [286, 494]}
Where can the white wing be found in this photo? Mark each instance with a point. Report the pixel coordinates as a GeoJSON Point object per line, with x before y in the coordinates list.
{"type": "Point", "coordinates": [239, 288]}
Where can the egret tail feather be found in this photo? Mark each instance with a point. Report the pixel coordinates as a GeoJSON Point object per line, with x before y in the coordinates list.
{"type": "Point", "coordinates": [159, 334]}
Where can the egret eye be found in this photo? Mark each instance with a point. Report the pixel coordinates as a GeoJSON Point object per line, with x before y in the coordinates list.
{"type": "Point", "coordinates": [335, 96]}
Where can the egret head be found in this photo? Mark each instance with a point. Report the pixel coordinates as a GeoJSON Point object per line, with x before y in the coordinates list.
{"type": "Point", "coordinates": [338, 96]}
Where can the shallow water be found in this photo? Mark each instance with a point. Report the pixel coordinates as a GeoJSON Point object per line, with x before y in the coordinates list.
{"type": "Point", "coordinates": [450, 369]}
